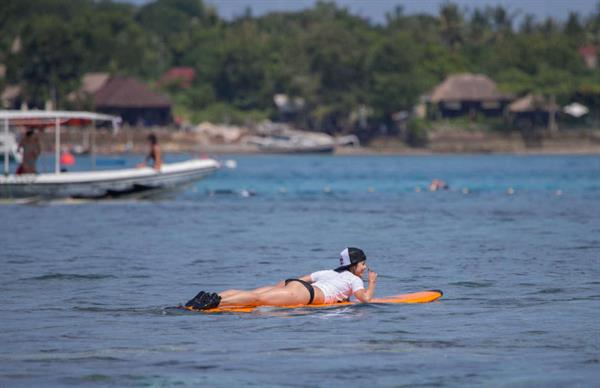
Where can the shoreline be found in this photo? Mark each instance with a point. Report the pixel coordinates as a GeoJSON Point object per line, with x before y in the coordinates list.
{"type": "Point", "coordinates": [440, 143]}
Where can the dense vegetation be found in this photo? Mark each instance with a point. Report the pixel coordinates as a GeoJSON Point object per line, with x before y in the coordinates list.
{"type": "Point", "coordinates": [340, 64]}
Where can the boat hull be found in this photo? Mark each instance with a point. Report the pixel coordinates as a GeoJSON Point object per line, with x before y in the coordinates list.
{"type": "Point", "coordinates": [107, 183]}
{"type": "Point", "coordinates": [325, 149]}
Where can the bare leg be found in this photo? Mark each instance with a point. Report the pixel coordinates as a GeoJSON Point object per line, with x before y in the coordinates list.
{"type": "Point", "coordinates": [260, 290]}
{"type": "Point", "coordinates": [292, 294]}
{"type": "Point", "coordinates": [226, 293]}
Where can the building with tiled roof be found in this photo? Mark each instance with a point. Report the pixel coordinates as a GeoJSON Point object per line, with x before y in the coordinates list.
{"type": "Point", "coordinates": [589, 54]}
{"type": "Point", "coordinates": [129, 98]}
{"type": "Point", "coordinates": [180, 76]}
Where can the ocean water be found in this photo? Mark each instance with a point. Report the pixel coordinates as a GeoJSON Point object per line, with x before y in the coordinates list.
{"type": "Point", "coordinates": [514, 244]}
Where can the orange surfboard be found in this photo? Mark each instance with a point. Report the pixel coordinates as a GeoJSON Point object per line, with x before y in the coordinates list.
{"type": "Point", "coordinates": [415, 297]}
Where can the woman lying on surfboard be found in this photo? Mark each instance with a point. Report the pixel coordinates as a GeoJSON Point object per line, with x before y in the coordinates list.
{"type": "Point", "coordinates": [322, 287]}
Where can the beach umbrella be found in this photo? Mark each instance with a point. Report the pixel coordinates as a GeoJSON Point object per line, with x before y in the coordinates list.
{"type": "Point", "coordinates": [576, 109]}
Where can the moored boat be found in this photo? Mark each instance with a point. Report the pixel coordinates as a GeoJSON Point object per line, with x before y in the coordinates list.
{"type": "Point", "coordinates": [279, 138]}
{"type": "Point", "coordinates": [92, 184]}
{"type": "Point", "coordinates": [290, 144]}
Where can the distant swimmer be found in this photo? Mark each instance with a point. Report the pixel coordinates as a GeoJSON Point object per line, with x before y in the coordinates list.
{"type": "Point", "coordinates": [438, 184]}
{"type": "Point", "coordinates": [322, 287]}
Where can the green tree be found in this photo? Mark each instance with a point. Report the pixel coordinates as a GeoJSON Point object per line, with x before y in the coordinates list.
{"type": "Point", "coordinates": [573, 29]}
{"type": "Point", "coordinates": [171, 21]}
{"type": "Point", "coordinates": [50, 62]}
{"type": "Point", "coordinates": [396, 81]}
{"type": "Point", "coordinates": [451, 25]}
{"type": "Point", "coordinates": [528, 24]}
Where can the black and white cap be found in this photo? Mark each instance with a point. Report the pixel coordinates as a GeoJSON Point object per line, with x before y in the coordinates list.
{"type": "Point", "coordinates": [350, 256]}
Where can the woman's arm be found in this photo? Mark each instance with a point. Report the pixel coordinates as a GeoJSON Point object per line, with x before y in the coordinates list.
{"type": "Point", "coordinates": [365, 296]}
{"type": "Point", "coordinates": [306, 278]}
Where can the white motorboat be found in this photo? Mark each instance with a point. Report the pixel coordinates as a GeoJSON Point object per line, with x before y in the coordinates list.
{"type": "Point", "coordinates": [92, 184]}
{"type": "Point", "coordinates": [289, 145]}
{"type": "Point", "coordinates": [279, 138]}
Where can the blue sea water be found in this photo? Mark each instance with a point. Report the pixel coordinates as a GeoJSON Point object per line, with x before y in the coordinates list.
{"type": "Point", "coordinates": [85, 286]}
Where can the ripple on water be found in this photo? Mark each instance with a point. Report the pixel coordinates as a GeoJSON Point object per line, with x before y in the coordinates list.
{"type": "Point", "coordinates": [69, 276]}
{"type": "Point", "coordinates": [153, 311]}
{"type": "Point", "coordinates": [407, 345]}
{"type": "Point", "coordinates": [468, 284]}
{"type": "Point", "coordinates": [204, 261]}
{"type": "Point", "coordinates": [96, 378]}
{"type": "Point", "coordinates": [535, 332]}
{"type": "Point", "coordinates": [581, 247]}
{"type": "Point", "coordinates": [551, 291]}
{"type": "Point", "coordinates": [62, 357]}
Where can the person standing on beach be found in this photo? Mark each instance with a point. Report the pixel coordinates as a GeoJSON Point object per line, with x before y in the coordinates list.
{"type": "Point", "coordinates": [30, 144]}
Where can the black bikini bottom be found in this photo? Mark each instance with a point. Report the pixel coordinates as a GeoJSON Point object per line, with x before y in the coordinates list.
{"type": "Point", "coordinates": [308, 286]}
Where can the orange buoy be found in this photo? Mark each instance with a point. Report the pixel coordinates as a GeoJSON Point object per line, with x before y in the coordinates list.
{"type": "Point", "coordinates": [67, 159]}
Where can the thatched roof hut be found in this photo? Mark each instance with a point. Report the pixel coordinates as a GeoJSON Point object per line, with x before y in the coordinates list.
{"type": "Point", "coordinates": [532, 103]}
{"type": "Point", "coordinates": [533, 111]}
{"type": "Point", "coordinates": [467, 87]}
{"type": "Point", "coordinates": [462, 94]}
{"type": "Point", "coordinates": [11, 97]}
{"type": "Point", "coordinates": [90, 84]}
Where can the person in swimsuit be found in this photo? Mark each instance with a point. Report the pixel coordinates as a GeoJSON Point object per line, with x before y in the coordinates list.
{"type": "Point", "coordinates": [322, 287]}
{"type": "Point", "coordinates": [30, 144]}
{"type": "Point", "coordinates": [154, 155]}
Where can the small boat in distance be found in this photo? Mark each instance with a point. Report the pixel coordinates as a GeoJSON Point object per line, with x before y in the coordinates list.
{"type": "Point", "coordinates": [283, 144]}
{"type": "Point", "coordinates": [281, 139]}
{"type": "Point", "coordinates": [140, 182]}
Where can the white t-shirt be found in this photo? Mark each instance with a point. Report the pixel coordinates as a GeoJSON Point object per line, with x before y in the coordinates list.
{"type": "Point", "coordinates": [336, 286]}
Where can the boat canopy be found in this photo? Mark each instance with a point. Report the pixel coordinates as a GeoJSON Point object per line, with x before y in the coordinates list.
{"type": "Point", "coordinates": [48, 118]}
{"type": "Point", "coordinates": [56, 118]}
{"type": "Point", "coordinates": [52, 114]}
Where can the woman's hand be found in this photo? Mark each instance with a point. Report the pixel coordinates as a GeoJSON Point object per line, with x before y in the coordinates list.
{"type": "Point", "coordinates": [365, 295]}
{"type": "Point", "coordinates": [372, 276]}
